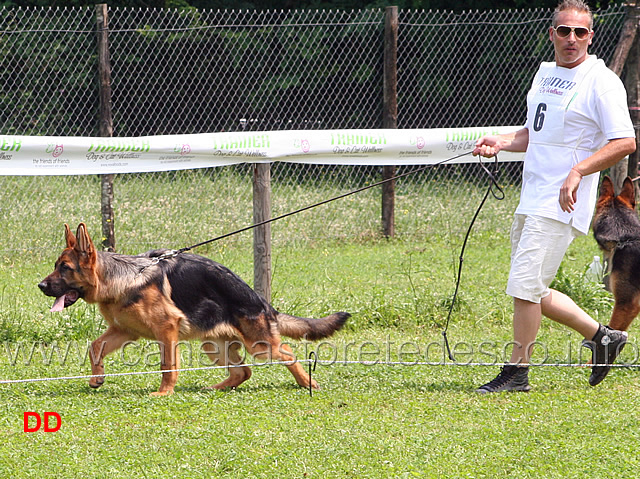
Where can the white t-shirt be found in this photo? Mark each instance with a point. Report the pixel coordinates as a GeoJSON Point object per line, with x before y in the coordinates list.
{"type": "Point", "coordinates": [572, 113]}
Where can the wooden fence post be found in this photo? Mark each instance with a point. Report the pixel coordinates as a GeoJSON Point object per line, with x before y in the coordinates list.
{"type": "Point", "coordinates": [628, 38]}
{"type": "Point", "coordinates": [632, 84]}
{"type": "Point", "coordinates": [262, 234]}
{"type": "Point", "coordinates": [390, 114]}
{"type": "Point", "coordinates": [105, 125]}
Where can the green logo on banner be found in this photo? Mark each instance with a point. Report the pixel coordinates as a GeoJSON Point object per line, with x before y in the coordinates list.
{"type": "Point", "coordinates": [10, 144]}
{"type": "Point", "coordinates": [238, 142]}
{"type": "Point", "coordinates": [117, 146]}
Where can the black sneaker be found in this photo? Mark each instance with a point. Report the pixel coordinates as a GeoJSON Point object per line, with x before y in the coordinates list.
{"type": "Point", "coordinates": [606, 345]}
{"type": "Point", "coordinates": [511, 378]}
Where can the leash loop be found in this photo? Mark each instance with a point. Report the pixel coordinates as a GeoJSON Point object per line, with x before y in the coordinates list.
{"type": "Point", "coordinates": [497, 191]}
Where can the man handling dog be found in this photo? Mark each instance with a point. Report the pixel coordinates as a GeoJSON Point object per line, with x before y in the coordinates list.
{"type": "Point", "coordinates": [577, 125]}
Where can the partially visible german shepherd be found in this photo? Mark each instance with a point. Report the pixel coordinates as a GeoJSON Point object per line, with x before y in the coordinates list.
{"type": "Point", "coordinates": [616, 228]}
{"type": "Point", "coordinates": [179, 298]}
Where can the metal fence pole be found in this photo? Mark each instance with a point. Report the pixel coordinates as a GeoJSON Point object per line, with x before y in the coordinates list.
{"type": "Point", "coordinates": [105, 124]}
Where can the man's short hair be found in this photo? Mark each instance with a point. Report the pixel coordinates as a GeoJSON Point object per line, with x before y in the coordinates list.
{"type": "Point", "coordinates": [577, 5]}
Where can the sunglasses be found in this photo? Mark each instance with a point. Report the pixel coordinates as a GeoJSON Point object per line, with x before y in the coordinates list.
{"type": "Point", "coordinates": [563, 31]}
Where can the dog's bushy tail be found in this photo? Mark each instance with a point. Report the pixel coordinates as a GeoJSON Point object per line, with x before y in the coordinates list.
{"type": "Point", "coordinates": [311, 329]}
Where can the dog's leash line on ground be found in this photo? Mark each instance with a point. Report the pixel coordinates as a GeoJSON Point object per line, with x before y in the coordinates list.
{"type": "Point", "coordinates": [312, 367]}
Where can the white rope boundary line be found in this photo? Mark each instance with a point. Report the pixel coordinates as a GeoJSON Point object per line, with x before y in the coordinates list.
{"type": "Point", "coordinates": [318, 362]}
{"type": "Point", "coordinates": [158, 371]}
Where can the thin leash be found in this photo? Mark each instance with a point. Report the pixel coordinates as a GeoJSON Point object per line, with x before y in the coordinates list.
{"type": "Point", "coordinates": [498, 193]}
{"type": "Point", "coordinates": [494, 189]}
{"type": "Point", "coordinates": [173, 253]}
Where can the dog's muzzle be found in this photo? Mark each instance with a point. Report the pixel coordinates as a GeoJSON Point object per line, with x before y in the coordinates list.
{"type": "Point", "coordinates": [63, 299]}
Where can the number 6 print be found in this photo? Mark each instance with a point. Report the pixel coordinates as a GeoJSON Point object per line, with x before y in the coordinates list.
{"type": "Point", "coordinates": [538, 121]}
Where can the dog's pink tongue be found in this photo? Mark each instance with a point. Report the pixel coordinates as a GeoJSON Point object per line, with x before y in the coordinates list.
{"type": "Point", "coordinates": [58, 305]}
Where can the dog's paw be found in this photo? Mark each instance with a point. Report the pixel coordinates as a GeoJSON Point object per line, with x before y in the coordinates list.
{"type": "Point", "coordinates": [95, 383]}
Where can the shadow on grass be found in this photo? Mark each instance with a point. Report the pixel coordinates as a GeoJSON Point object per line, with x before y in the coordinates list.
{"type": "Point", "coordinates": [440, 386]}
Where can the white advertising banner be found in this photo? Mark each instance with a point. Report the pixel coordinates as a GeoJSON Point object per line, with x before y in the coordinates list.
{"type": "Point", "coordinates": [44, 155]}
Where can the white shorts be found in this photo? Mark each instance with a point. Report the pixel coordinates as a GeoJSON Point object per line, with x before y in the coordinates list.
{"type": "Point", "coordinates": [537, 247]}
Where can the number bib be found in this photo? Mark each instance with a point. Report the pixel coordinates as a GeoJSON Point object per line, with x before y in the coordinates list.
{"type": "Point", "coordinates": [553, 91]}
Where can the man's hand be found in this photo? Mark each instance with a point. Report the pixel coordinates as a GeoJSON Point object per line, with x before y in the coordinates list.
{"type": "Point", "coordinates": [487, 146]}
{"type": "Point", "coordinates": [569, 190]}
{"type": "Point", "coordinates": [490, 145]}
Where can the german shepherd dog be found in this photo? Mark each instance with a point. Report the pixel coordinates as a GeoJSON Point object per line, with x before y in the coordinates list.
{"type": "Point", "coordinates": [179, 298]}
{"type": "Point", "coordinates": [616, 228]}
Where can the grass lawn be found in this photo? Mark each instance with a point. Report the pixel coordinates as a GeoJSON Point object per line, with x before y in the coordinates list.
{"type": "Point", "coordinates": [369, 420]}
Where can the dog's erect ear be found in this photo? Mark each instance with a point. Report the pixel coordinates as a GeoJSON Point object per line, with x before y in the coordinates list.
{"type": "Point", "coordinates": [84, 244]}
{"type": "Point", "coordinates": [606, 188]}
{"type": "Point", "coordinates": [68, 236]}
{"type": "Point", "coordinates": [628, 194]}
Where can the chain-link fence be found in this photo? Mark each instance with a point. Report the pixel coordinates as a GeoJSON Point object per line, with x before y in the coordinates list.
{"type": "Point", "coordinates": [192, 71]}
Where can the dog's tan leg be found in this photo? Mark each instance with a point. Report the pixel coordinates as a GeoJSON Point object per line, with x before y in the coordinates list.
{"type": "Point", "coordinates": [274, 350]}
{"type": "Point", "coordinates": [167, 337]}
{"type": "Point", "coordinates": [109, 341]}
{"type": "Point", "coordinates": [227, 353]}
{"type": "Point", "coordinates": [627, 303]}
{"type": "Point", "coordinates": [622, 315]}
